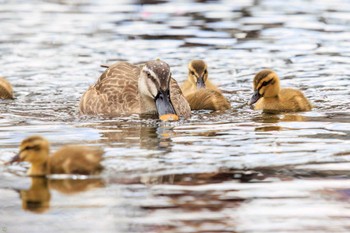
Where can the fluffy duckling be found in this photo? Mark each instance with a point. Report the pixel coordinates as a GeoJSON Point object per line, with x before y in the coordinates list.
{"type": "Point", "coordinates": [197, 78]}
{"type": "Point", "coordinates": [200, 92]}
{"type": "Point", "coordinates": [269, 96]}
{"type": "Point", "coordinates": [124, 88]}
{"type": "Point", "coordinates": [6, 91]}
{"type": "Point", "coordinates": [72, 159]}
{"type": "Point", "coordinates": [207, 99]}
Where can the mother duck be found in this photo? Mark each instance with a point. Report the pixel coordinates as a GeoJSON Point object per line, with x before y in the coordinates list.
{"type": "Point", "coordinates": [125, 89]}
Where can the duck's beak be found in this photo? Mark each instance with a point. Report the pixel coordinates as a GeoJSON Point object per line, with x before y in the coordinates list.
{"type": "Point", "coordinates": [256, 96]}
{"type": "Point", "coordinates": [163, 103]}
{"type": "Point", "coordinates": [15, 158]}
{"type": "Point", "coordinates": [200, 83]}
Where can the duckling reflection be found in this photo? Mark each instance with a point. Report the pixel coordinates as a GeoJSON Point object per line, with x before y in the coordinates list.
{"type": "Point", "coordinates": [269, 97]}
{"type": "Point", "coordinates": [37, 198]}
{"type": "Point", "coordinates": [276, 118]}
{"type": "Point", "coordinates": [6, 91]}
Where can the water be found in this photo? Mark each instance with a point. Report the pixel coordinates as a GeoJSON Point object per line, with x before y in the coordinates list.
{"type": "Point", "coordinates": [237, 171]}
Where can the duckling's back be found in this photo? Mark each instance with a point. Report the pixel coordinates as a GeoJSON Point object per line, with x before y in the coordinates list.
{"type": "Point", "coordinates": [6, 91]}
{"type": "Point", "coordinates": [288, 100]}
{"type": "Point", "coordinates": [207, 99]}
{"type": "Point", "coordinates": [74, 159]}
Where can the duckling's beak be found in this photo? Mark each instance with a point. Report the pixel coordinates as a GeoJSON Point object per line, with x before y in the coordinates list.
{"type": "Point", "coordinates": [163, 103]}
{"type": "Point", "coordinates": [256, 96]}
{"type": "Point", "coordinates": [200, 83]}
{"type": "Point", "coordinates": [15, 158]}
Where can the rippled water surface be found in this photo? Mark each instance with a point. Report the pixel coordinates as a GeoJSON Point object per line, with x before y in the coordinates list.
{"type": "Point", "coordinates": [234, 171]}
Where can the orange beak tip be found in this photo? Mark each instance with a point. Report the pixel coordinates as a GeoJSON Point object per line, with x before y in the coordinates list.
{"type": "Point", "coordinates": [169, 117]}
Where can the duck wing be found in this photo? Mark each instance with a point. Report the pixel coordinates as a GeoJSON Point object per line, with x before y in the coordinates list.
{"type": "Point", "coordinates": [115, 92]}
{"type": "Point", "coordinates": [178, 100]}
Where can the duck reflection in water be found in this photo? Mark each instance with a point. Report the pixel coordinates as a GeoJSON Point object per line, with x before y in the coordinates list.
{"type": "Point", "coordinates": [37, 198]}
{"type": "Point", "coordinates": [147, 136]}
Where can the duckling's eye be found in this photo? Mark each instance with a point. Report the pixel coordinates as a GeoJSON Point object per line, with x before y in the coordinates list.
{"type": "Point", "coordinates": [205, 71]}
{"type": "Point", "coordinates": [265, 83]}
{"type": "Point", "coordinates": [36, 147]}
{"type": "Point", "coordinates": [192, 73]}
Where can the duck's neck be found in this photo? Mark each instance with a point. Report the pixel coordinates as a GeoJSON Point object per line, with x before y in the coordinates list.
{"type": "Point", "coordinates": [39, 169]}
{"type": "Point", "coordinates": [148, 107]}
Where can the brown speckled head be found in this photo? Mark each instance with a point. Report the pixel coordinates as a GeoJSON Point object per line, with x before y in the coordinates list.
{"type": "Point", "coordinates": [160, 71]}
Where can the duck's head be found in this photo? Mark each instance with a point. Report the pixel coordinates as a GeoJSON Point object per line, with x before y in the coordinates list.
{"type": "Point", "coordinates": [197, 73]}
{"type": "Point", "coordinates": [34, 149]}
{"type": "Point", "coordinates": [154, 83]}
{"type": "Point", "coordinates": [266, 84]}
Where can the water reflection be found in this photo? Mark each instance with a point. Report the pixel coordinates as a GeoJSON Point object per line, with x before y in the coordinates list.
{"type": "Point", "coordinates": [37, 198]}
{"type": "Point", "coordinates": [157, 135]}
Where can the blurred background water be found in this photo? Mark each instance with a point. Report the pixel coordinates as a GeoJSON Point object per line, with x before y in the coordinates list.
{"type": "Point", "coordinates": [237, 171]}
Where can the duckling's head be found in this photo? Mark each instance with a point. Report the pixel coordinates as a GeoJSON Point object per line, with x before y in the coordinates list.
{"type": "Point", "coordinates": [197, 73]}
{"type": "Point", "coordinates": [266, 84]}
{"type": "Point", "coordinates": [34, 149]}
{"type": "Point", "coordinates": [154, 83]}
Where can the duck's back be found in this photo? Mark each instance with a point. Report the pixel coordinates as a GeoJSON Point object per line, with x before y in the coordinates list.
{"type": "Point", "coordinates": [6, 91]}
{"type": "Point", "coordinates": [74, 159]}
{"type": "Point", "coordinates": [114, 93]}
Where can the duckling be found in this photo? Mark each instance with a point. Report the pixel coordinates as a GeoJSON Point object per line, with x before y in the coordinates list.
{"type": "Point", "coordinates": [197, 78]}
{"type": "Point", "coordinates": [269, 97]}
{"type": "Point", "coordinates": [123, 88]}
{"type": "Point", "coordinates": [200, 92]}
{"type": "Point", "coordinates": [207, 99]}
{"type": "Point", "coordinates": [6, 91]}
{"type": "Point", "coordinates": [71, 159]}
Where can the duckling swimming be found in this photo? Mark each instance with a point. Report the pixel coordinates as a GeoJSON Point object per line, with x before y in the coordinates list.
{"type": "Point", "coordinates": [127, 89]}
{"type": "Point", "coordinates": [269, 96]}
{"type": "Point", "coordinates": [200, 92]}
{"type": "Point", "coordinates": [6, 91]}
{"type": "Point", "coordinates": [207, 99]}
{"type": "Point", "coordinates": [72, 159]}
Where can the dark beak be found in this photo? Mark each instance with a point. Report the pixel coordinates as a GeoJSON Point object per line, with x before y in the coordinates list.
{"type": "Point", "coordinates": [200, 83]}
{"type": "Point", "coordinates": [163, 103]}
{"type": "Point", "coordinates": [256, 96]}
{"type": "Point", "coordinates": [16, 158]}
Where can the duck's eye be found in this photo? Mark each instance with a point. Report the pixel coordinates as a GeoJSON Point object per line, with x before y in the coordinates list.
{"type": "Point", "coordinates": [192, 73]}
{"type": "Point", "coordinates": [205, 71]}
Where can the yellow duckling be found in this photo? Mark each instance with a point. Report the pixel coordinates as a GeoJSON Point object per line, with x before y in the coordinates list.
{"type": "Point", "coordinates": [6, 91]}
{"type": "Point", "coordinates": [207, 99]}
{"type": "Point", "coordinates": [269, 96]}
{"type": "Point", "coordinates": [72, 159]}
{"type": "Point", "coordinates": [200, 92]}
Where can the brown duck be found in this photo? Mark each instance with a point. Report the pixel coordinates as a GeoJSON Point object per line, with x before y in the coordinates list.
{"type": "Point", "coordinates": [124, 89]}
{"type": "Point", "coordinates": [71, 159]}
{"type": "Point", "coordinates": [200, 92]}
{"type": "Point", "coordinates": [269, 97]}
